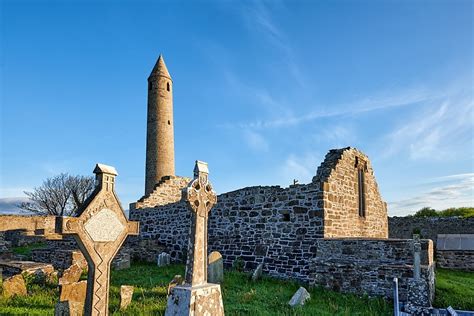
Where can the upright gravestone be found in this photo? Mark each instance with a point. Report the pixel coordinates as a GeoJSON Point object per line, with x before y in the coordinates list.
{"type": "Point", "coordinates": [100, 230]}
{"type": "Point", "coordinates": [418, 299]}
{"type": "Point", "coordinates": [197, 297]}
{"type": "Point", "coordinates": [215, 268]}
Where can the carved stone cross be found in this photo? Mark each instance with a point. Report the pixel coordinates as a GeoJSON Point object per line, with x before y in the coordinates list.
{"type": "Point", "coordinates": [197, 297]}
{"type": "Point", "coordinates": [100, 230]}
{"type": "Point", "coordinates": [201, 198]}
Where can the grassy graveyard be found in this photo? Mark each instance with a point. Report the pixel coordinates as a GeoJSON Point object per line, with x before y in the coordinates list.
{"type": "Point", "coordinates": [241, 296]}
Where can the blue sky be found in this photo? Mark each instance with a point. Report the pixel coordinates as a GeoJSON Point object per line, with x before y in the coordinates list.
{"type": "Point", "coordinates": [262, 90]}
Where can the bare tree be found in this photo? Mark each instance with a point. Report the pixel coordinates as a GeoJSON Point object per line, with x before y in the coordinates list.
{"type": "Point", "coordinates": [61, 195]}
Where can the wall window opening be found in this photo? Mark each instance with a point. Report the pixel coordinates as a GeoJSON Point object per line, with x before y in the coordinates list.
{"type": "Point", "coordinates": [167, 86]}
{"type": "Point", "coordinates": [361, 167]}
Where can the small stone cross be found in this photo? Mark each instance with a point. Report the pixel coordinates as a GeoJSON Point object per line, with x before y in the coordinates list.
{"type": "Point", "coordinates": [201, 198]}
{"type": "Point", "coordinates": [100, 230]}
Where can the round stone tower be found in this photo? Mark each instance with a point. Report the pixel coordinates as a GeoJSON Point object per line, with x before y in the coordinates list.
{"type": "Point", "coordinates": [160, 135]}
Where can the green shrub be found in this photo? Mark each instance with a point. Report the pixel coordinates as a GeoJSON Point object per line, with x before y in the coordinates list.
{"type": "Point", "coordinates": [464, 212]}
{"type": "Point", "coordinates": [426, 212]}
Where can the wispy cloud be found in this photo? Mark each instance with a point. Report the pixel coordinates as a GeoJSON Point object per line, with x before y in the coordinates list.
{"type": "Point", "coordinates": [300, 167]}
{"type": "Point", "coordinates": [459, 191]}
{"type": "Point", "coordinates": [432, 133]}
{"type": "Point", "coordinates": [374, 103]}
{"type": "Point", "coordinates": [255, 140]}
{"type": "Point", "coordinates": [259, 16]}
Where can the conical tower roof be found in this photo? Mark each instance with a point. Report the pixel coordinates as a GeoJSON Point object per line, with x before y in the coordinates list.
{"type": "Point", "coordinates": [160, 69]}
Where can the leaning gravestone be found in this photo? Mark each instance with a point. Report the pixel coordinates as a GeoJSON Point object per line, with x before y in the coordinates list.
{"type": "Point", "coordinates": [300, 297]}
{"type": "Point", "coordinates": [257, 273]}
{"type": "Point", "coordinates": [215, 268]}
{"type": "Point", "coordinates": [197, 297]}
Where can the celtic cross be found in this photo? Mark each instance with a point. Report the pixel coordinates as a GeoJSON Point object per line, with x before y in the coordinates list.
{"type": "Point", "coordinates": [201, 198]}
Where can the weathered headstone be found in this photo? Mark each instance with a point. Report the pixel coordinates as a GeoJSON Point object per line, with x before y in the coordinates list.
{"type": "Point", "coordinates": [215, 268]}
{"type": "Point", "coordinates": [177, 280]}
{"type": "Point", "coordinates": [126, 294]}
{"type": "Point", "coordinates": [69, 308]}
{"type": "Point", "coordinates": [196, 296]}
{"type": "Point", "coordinates": [100, 230]}
{"type": "Point", "coordinates": [300, 297]}
{"type": "Point", "coordinates": [163, 259]}
{"type": "Point", "coordinates": [70, 275]}
{"type": "Point", "coordinates": [14, 285]}
{"type": "Point", "coordinates": [257, 273]}
{"type": "Point", "coordinates": [74, 292]}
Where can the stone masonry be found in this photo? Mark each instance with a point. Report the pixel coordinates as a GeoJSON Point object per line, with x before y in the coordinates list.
{"type": "Point", "coordinates": [257, 222]}
{"type": "Point", "coordinates": [429, 227]}
{"type": "Point", "coordinates": [340, 187]}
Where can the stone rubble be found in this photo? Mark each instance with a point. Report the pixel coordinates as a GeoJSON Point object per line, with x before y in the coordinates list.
{"type": "Point", "coordinates": [70, 275]}
{"type": "Point", "coordinates": [14, 286]}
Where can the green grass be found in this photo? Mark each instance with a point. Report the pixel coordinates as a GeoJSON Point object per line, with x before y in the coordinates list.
{"type": "Point", "coordinates": [40, 301]}
{"type": "Point", "coordinates": [26, 250]}
{"type": "Point", "coordinates": [241, 296]}
{"type": "Point", "coordinates": [455, 288]}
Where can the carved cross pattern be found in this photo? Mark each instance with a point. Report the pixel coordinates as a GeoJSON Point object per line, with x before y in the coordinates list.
{"type": "Point", "coordinates": [201, 196]}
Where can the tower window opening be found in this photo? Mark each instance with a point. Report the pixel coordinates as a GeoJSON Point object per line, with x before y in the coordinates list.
{"type": "Point", "coordinates": [169, 122]}
{"type": "Point", "coordinates": [167, 86]}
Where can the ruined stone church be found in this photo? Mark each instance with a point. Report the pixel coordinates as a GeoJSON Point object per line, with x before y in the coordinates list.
{"type": "Point", "coordinates": [309, 232]}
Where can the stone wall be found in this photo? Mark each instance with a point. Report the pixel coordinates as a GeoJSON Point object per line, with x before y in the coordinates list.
{"type": "Point", "coordinates": [369, 266]}
{"type": "Point", "coordinates": [4, 244]}
{"type": "Point", "coordinates": [251, 223]}
{"type": "Point", "coordinates": [18, 238]}
{"type": "Point", "coordinates": [455, 259]}
{"type": "Point", "coordinates": [268, 224]}
{"type": "Point", "coordinates": [168, 190]}
{"type": "Point", "coordinates": [339, 178]}
{"type": "Point", "coordinates": [429, 227]}
{"type": "Point", "coordinates": [60, 258]}
{"type": "Point", "coordinates": [278, 223]}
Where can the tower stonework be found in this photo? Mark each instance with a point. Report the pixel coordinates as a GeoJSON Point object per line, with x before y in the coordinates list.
{"type": "Point", "coordinates": [160, 134]}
